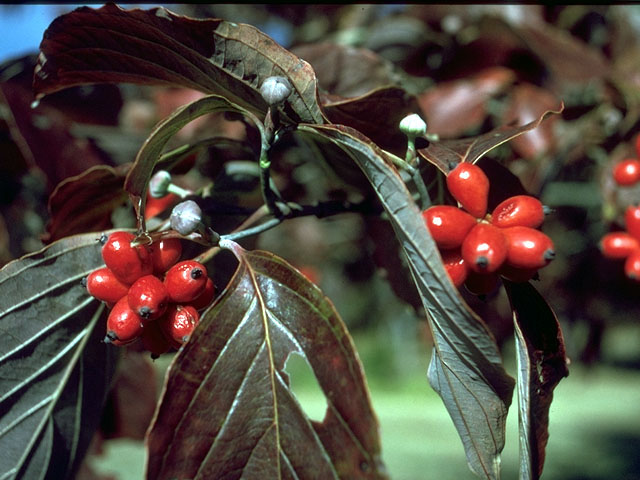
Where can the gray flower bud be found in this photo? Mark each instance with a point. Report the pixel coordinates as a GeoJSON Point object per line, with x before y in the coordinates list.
{"type": "Point", "coordinates": [186, 217]}
{"type": "Point", "coordinates": [413, 126]}
{"type": "Point", "coordinates": [275, 90]}
{"type": "Point", "coordinates": [159, 184]}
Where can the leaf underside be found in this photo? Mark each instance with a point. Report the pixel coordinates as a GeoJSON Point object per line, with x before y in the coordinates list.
{"type": "Point", "coordinates": [466, 368]}
{"type": "Point", "coordinates": [54, 369]}
{"type": "Point", "coordinates": [228, 411]}
{"type": "Point", "coordinates": [542, 363]}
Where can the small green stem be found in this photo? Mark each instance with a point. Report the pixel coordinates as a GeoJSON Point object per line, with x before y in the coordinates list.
{"type": "Point", "coordinates": [411, 154]}
{"type": "Point", "coordinates": [263, 227]}
{"type": "Point", "coordinates": [179, 191]}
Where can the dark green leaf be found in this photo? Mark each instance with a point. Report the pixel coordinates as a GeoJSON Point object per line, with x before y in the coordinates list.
{"type": "Point", "coordinates": [228, 411]}
{"type": "Point", "coordinates": [54, 369]}
{"type": "Point", "coordinates": [158, 47]}
{"type": "Point", "coordinates": [466, 368]}
{"type": "Point", "coordinates": [542, 363]}
{"type": "Point", "coordinates": [445, 153]}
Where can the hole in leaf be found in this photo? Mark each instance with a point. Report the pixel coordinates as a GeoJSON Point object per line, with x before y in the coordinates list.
{"type": "Point", "coordinates": [305, 387]}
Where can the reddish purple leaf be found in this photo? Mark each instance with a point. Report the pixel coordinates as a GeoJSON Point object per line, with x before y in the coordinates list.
{"type": "Point", "coordinates": [527, 103]}
{"type": "Point", "coordinates": [84, 203]}
{"type": "Point", "coordinates": [453, 107]}
{"type": "Point", "coordinates": [228, 411]}
{"type": "Point", "coordinates": [448, 153]}
{"type": "Point", "coordinates": [158, 47]}
{"type": "Point", "coordinates": [376, 115]}
{"type": "Point", "coordinates": [542, 363]}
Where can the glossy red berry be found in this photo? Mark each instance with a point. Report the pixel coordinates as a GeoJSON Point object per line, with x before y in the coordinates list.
{"type": "Point", "coordinates": [164, 254]}
{"type": "Point", "coordinates": [632, 266]}
{"type": "Point", "coordinates": [618, 245]}
{"type": "Point", "coordinates": [126, 262]}
{"type": "Point", "coordinates": [204, 299]}
{"type": "Point", "coordinates": [481, 283]}
{"type": "Point", "coordinates": [153, 339]}
{"type": "Point", "coordinates": [470, 187]}
{"type": "Point", "coordinates": [528, 247]}
{"type": "Point", "coordinates": [148, 297]}
{"type": "Point", "coordinates": [632, 221]}
{"type": "Point", "coordinates": [448, 225]}
{"type": "Point", "coordinates": [123, 324]}
{"type": "Point", "coordinates": [104, 285]}
{"type": "Point", "coordinates": [455, 266]}
{"type": "Point", "coordinates": [178, 324]}
{"type": "Point", "coordinates": [520, 210]}
{"type": "Point", "coordinates": [155, 206]}
{"type": "Point", "coordinates": [185, 281]}
{"type": "Point", "coordinates": [627, 172]}
{"type": "Point", "coordinates": [484, 248]}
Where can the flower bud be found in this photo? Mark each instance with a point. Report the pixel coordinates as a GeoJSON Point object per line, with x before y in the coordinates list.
{"type": "Point", "coordinates": [186, 217]}
{"type": "Point", "coordinates": [413, 126]}
{"type": "Point", "coordinates": [275, 90]}
{"type": "Point", "coordinates": [159, 184]}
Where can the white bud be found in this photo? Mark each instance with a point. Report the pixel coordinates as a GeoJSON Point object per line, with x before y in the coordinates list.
{"type": "Point", "coordinates": [159, 184]}
{"type": "Point", "coordinates": [186, 217]}
{"type": "Point", "coordinates": [413, 126]}
{"type": "Point", "coordinates": [275, 90]}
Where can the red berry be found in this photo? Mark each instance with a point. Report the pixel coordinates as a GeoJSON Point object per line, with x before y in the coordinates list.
{"type": "Point", "coordinates": [448, 225]}
{"type": "Point", "coordinates": [523, 210]}
{"type": "Point", "coordinates": [178, 324]}
{"type": "Point", "coordinates": [123, 324]}
{"type": "Point", "coordinates": [164, 254]}
{"type": "Point", "coordinates": [481, 283]}
{"type": "Point", "coordinates": [484, 248]}
{"type": "Point", "coordinates": [632, 220]}
{"type": "Point", "coordinates": [627, 172]}
{"type": "Point", "coordinates": [185, 281]}
{"type": "Point", "coordinates": [153, 339]}
{"type": "Point", "coordinates": [204, 299]}
{"type": "Point", "coordinates": [618, 245]}
{"type": "Point", "coordinates": [632, 266]}
{"type": "Point", "coordinates": [470, 187]}
{"type": "Point", "coordinates": [156, 206]}
{"type": "Point", "coordinates": [126, 262]}
{"type": "Point", "coordinates": [104, 285]}
{"type": "Point", "coordinates": [148, 297]}
{"type": "Point", "coordinates": [455, 266]}
{"type": "Point", "coordinates": [528, 247]}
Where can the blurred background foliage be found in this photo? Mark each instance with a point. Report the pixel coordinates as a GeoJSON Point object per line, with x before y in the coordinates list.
{"type": "Point", "coordinates": [470, 68]}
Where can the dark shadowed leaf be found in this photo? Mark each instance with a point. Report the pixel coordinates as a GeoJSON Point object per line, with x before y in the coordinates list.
{"type": "Point", "coordinates": [448, 153]}
{"type": "Point", "coordinates": [158, 47]}
{"type": "Point", "coordinates": [345, 70]}
{"type": "Point", "coordinates": [84, 203]}
{"type": "Point", "coordinates": [228, 410]}
{"type": "Point", "coordinates": [54, 369]}
{"type": "Point", "coordinates": [150, 153]}
{"type": "Point", "coordinates": [453, 107]}
{"type": "Point", "coordinates": [466, 368]}
{"type": "Point", "coordinates": [44, 136]}
{"type": "Point", "coordinates": [542, 363]}
{"type": "Point", "coordinates": [376, 114]}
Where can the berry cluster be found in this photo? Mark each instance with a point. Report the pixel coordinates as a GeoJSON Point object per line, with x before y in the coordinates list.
{"type": "Point", "coordinates": [478, 248]}
{"type": "Point", "coordinates": [625, 244]}
{"type": "Point", "coordinates": [152, 295]}
{"type": "Point", "coordinates": [626, 173]}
